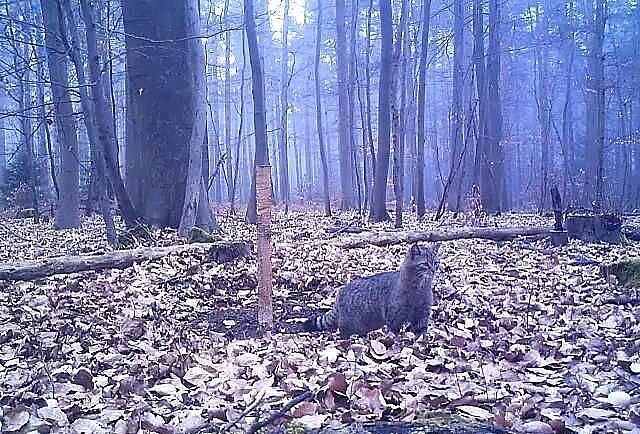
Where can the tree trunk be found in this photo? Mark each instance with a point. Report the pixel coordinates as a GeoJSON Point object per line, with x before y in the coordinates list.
{"type": "Point", "coordinates": [323, 153]}
{"type": "Point", "coordinates": [259, 113]}
{"type": "Point", "coordinates": [492, 179]}
{"type": "Point", "coordinates": [367, 72]}
{"type": "Point", "coordinates": [104, 125]}
{"type": "Point", "coordinates": [422, 79]}
{"type": "Point", "coordinates": [68, 207]}
{"type": "Point", "coordinates": [396, 115]}
{"type": "Point", "coordinates": [456, 108]}
{"type": "Point", "coordinates": [284, 110]}
{"type": "Point", "coordinates": [384, 114]}
{"type": "Point", "coordinates": [344, 126]}
{"type": "Point", "coordinates": [595, 90]}
{"type": "Point", "coordinates": [227, 105]}
{"type": "Point", "coordinates": [543, 104]}
{"type": "Point", "coordinates": [352, 89]}
{"type": "Point", "coordinates": [159, 109]}
{"type": "Point", "coordinates": [195, 196]}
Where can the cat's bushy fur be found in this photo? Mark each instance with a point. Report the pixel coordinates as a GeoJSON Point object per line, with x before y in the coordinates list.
{"type": "Point", "coordinates": [391, 298]}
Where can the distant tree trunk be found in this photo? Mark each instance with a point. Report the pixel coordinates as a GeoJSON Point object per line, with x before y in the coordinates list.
{"type": "Point", "coordinates": [481, 90]}
{"type": "Point", "coordinates": [259, 112]}
{"type": "Point", "coordinates": [159, 109]}
{"type": "Point", "coordinates": [195, 210]}
{"type": "Point", "coordinates": [567, 138]}
{"type": "Point", "coordinates": [455, 172]}
{"type": "Point", "coordinates": [42, 162]}
{"type": "Point", "coordinates": [236, 164]}
{"type": "Point", "coordinates": [227, 104]}
{"type": "Point", "coordinates": [68, 207]}
{"type": "Point", "coordinates": [323, 152]}
{"type": "Point", "coordinates": [384, 114]}
{"type": "Point", "coordinates": [492, 178]}
{"type": "Point", "coordinates": [422, 79]}
{"type": "Point", "coordinates": [543, 105]}
{"type": "Point", "coordinates": [344, 127]}
{"type": "Point", "coordinates": [308, 171]}
{"type": "Point", "coordinates": [25, 104]}
{"type": "Point", "coordinates": [284, 110]}
{"type": "Point", "coordinates": [367, 71]}
{"type": "Point", "coordinates": [396, 115]}
{"type": "Point", "coordinates": [352, 89]}
{"type": "Point", "coordinates": [595, 91]}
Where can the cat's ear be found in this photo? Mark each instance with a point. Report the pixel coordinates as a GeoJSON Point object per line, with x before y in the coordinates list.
{"type": "Point", "coordinates": [414, 250]}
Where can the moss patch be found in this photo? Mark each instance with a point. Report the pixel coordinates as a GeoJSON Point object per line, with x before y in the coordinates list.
{"type": "Point", "coordinates": [627, 272]}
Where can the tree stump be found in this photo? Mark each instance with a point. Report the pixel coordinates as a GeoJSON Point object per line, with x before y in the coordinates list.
{"type": "Point", "coordinates": [595, 228]}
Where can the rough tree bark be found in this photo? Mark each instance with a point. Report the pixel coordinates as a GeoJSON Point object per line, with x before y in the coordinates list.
{"type": "Point", "coordinates": [384, 115]}
{"type": "Point", "coordinates": [159, 109]}
{"type": "Point", "coordinates": [68, 208]}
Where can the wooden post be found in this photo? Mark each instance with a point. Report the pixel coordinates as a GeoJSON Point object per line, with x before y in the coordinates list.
{"type": "Point", "coordinates": [263, 249]}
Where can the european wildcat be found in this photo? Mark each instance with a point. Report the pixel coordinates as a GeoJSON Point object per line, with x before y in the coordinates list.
{"type": "Point", "coordinates": [391, 298]}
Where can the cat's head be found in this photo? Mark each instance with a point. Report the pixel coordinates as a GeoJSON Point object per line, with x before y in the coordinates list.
{"type": "Point", "coordinates": [423, 258]}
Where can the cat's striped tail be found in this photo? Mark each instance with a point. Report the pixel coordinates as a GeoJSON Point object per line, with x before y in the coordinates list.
{"type": "Point", "coordinates": [326, 321]}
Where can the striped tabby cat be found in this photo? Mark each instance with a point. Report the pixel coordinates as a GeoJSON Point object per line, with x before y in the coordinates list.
{"type": "Point", "coordinates": [392, 298]}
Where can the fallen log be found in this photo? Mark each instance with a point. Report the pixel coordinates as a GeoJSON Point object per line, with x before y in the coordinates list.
{"type": "Point", "coordinates": [388, 238]}
{"type": "Point", "coordinates": [28, 270]}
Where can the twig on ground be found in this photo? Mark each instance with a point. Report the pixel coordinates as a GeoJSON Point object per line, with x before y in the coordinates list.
{"type": "Point", "coordinates": [280, 413]}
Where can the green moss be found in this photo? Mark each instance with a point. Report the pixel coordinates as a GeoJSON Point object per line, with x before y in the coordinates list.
{"type": "Point", "coordinates": [199, 235]}
{"type": "Point", "coordinates": [627, 272]}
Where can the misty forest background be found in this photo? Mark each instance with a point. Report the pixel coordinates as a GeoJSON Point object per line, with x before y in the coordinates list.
{"type": "Point", "coordinates": [363, 103]}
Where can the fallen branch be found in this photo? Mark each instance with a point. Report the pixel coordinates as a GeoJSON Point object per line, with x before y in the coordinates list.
{"type": "Point", "coordinates": [388, 238]}
{"type": "Point", "coordinates": [29, 270]}
{"type": "Point", "coordinates": [280, 413]}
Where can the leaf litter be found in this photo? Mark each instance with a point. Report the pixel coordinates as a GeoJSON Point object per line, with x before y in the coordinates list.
{"type": "Point", "coordinates": [520, 338]}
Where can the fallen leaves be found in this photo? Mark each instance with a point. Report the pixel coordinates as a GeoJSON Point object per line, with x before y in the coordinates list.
{"type": "Point", "coordinates": [519, 338]}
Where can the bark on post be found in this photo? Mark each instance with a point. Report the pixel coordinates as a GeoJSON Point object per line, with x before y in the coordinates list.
{"type": "Point", "coordinates": [263, 248]}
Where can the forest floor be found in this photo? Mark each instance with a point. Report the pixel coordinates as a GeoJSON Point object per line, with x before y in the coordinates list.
{"type": "Point", "coordinates": [522, 337]}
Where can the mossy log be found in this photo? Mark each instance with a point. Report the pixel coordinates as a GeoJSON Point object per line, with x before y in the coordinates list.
{"type": "Point", "coordinates": [29, 270]}
{"type": "Point", "coordinates": [627, 272]}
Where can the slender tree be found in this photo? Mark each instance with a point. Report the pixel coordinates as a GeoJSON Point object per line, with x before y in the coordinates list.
{"type": "Point", "coordinates": [68, 208]}
{"type": "Point", "coordinates": [344, 127]}
{"type": "Point", "coordinates": [384, 115]}
{"type": "Point", "coordinates": [259, 111]}
{"type": "Point", "coordinates": [323, 152]}
{"type": "Point", "coordinates": [422, 79]}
